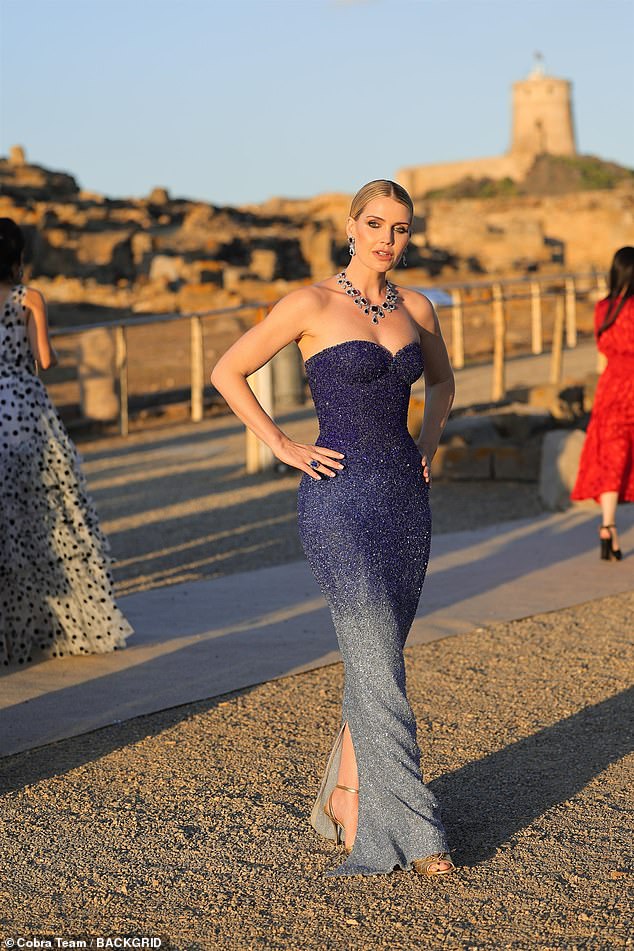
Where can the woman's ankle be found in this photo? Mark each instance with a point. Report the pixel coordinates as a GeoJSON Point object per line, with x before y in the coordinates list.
{"type": "Point", "coordinates": [344, 802]}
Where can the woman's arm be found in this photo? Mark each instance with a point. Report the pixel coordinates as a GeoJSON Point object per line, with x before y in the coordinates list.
{"type": "Point", "coordinates": [287, 321]}
{"type": "Point", "coordinates": [440, 386]}
{"type": "Point", "coordinates": [37, 329]}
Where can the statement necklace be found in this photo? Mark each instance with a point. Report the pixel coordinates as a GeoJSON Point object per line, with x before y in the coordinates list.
{"type": "Point", "coordinates": [377, 310]}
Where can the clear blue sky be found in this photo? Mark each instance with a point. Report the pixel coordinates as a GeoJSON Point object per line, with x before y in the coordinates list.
{"type": "Point", "coordinates": [237, 101]}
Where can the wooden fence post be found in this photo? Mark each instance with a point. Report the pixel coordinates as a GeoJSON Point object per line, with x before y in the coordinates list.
{"type": "Point", "coordinates": [498, 389]}
{"type": "Point", "coordinates": [197, 381]}
{"type": "Point", "coordinates": [259, 457]}
{"type": "Point", "coordinates": [537, 342]}
{"type": "Point", "coordinates": [556, 362]}
{"type": "Point", "coordinates": [457, 330]}
{"type": "Point", "coordinates": [571, 313]}
{"type": "Point", "coordinates": [122, 374]}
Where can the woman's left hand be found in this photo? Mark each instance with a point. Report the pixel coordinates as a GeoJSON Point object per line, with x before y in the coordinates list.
{"type": "Point", "coordinates": [426, 457]}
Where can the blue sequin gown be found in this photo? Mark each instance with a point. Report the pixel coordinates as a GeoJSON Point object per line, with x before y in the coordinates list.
{"type": "Point", "coordinates": [366, 534]}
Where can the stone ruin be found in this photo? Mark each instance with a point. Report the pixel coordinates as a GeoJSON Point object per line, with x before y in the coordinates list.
{"type": "Point", "coordinates": [155, 254]}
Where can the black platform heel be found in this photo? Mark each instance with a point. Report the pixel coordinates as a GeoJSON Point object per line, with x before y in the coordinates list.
{"type": "Point", "coordinates": [607, 546]}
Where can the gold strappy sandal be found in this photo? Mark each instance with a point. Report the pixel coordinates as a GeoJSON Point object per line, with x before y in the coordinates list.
{"type": "Point", "coordinates": [340, 829]}
{"type": "Point", "coordinates": [425, 866]}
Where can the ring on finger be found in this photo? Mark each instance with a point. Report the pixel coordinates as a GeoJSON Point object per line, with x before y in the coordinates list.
{"type": "Point", "coordinates": [314, 463]}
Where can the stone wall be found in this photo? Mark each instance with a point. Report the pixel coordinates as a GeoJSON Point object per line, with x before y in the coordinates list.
{"type": "Point", "coordinates": [420, 179]}
{"type": "Point", "coordinates": [499, 232]}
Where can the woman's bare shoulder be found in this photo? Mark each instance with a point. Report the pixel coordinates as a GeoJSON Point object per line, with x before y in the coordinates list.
{"type": "Point", "coordinates": [420, 308]}
{"type": "Point", "coordinates": [33, 297]}
{"type": "Point", "coordinates": [298, 309]}
{"type": "Point", "coordinates": [306, 299]}
{"type": "Point", "coordinates": [292, 315]}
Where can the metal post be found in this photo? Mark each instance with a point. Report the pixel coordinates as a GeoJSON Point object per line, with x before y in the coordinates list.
{"type": "Point", "coordinates": [498, 389]}
{"type": "Point", "coordinates": [571, 313]}
{"type": "Point", "coordinates": [537, 343]}
{"type": "Point", "coordinates": [556, 362]}
{"type": "Point", "coordinates": [457, 330]}
{"type": "Point", "coordinates": [122, 373]}
{"type": "Point", "coordinates": [197, 367]}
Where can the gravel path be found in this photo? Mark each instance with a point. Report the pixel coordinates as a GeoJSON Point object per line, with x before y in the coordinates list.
{"type": "Point", "coordinates": [192, 823]}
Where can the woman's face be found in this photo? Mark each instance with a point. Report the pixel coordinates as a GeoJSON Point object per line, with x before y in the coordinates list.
{"type": "Point", "coordinates": [381, 233]}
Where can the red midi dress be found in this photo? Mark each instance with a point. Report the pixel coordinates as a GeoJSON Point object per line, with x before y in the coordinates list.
{"type": "Point", "coordinates": [607, 458]}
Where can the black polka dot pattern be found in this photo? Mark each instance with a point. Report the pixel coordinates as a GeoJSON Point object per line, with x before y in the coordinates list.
{"type": "Point", "coordinates": [56, 587]}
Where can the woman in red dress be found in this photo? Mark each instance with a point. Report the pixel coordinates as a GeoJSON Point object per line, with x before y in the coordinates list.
{"type": "Point", "coordinates": [606, 468]}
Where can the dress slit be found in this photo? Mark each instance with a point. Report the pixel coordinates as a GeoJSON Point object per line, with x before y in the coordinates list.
{"type": "Point", "coordinates": [318, 819]}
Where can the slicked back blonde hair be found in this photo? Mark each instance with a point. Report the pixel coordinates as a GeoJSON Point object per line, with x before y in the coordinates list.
{"type": "Point", "coordinates": [380, 188]}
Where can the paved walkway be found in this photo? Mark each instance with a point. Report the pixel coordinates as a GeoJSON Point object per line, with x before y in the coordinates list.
{"type": "Point", "coordinates": [198, 640]}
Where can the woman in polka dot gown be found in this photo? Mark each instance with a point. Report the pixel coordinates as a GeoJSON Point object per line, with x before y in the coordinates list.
{"type": "Point", "coordinates": [56, 592]}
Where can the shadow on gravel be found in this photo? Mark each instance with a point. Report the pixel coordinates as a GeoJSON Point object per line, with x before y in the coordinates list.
{"type": "Point", "coordinates": [486, 802]}
{"type": "Point", "coordinates": [27, 768]}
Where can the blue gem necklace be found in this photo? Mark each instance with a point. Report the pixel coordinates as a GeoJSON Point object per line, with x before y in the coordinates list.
{"type": "Point", "coordinates": [376, 310]}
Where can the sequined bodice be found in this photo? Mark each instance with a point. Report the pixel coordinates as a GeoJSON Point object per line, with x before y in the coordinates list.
{"type": "Point", "coordinates": [15, 352]}
{"type": "Point", "coordinates": [361, 393]}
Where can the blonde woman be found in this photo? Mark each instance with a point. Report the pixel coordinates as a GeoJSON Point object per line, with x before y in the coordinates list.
{"type": "Point", "coordinates": [364, 518]}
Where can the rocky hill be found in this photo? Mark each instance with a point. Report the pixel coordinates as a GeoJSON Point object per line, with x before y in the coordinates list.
{"type": "Point", "coordinates": [160, 253]}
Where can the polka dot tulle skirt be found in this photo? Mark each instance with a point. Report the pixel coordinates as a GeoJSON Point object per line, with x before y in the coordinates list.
{"type": "Point", "coordinates": [56, 588]}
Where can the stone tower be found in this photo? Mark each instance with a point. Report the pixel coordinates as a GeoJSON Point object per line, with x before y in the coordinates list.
{"type": "Point", "coordinates": [542, 122]}
{"type": "Point", "coordinates": [542, 115]}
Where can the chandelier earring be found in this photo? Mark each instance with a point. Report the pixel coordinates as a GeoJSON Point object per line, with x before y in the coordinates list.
{"type": "Point", "coordinates": [351, 248]}
{"type": "Point", "coordinates": [404, 258]}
